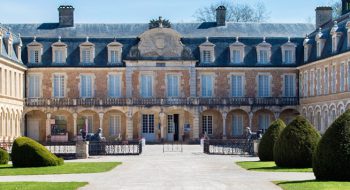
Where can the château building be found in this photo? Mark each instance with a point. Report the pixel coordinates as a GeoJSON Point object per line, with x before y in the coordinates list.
{"type": "Point", "coordinates": [170, 83]}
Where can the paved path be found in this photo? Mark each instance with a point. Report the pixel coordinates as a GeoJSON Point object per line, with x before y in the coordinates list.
{"type": "Point", "coordinates": [155, 170]}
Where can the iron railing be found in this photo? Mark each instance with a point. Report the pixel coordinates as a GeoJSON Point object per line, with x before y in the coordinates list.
{"type": "Point", "coordinates": [115, 148]}
{"type": "Point", "coordinates": [172, 147]}
{"type": "Point", "coordinates": [66, 150]}
{"type": "Point", "coordinates": [229, 147]}
{"type": "Point", "coordinates": [244, 101]}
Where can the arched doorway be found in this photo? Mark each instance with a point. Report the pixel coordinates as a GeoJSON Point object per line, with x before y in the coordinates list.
{"type": "Point", "coordinates": [236, 122]}
{"type": "Point", "coordinates": [262, 119]}
{"type": "Point", "coordinates": [36, 125]}
{"type": "Point", "coordinates": [211, 123]}
{"type": "Point", "coordinates": [114, 125]}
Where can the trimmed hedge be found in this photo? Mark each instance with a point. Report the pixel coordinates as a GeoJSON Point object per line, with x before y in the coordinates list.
{"type": "Point", "coordinates": [265, 150]}
{"type": "Point", "coordinates": [4, 156]}
{"type": "Point", "coordinates": [295, 146]}
{"type": "Point", "coordinates": [331, 160]}
{"type": "Point", "coordinates": [29, 153]}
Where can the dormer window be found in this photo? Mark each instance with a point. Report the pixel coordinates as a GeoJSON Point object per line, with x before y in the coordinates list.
{"type": "Point", "coordinates": [114, 52]}
{"type": "Point", "coordinates": [87, 52]}
{"type": "Point", "coordinates": [306, 48]}
{"type": "Point", "coordinates": [264, 52]}
{"type": "Point", "coordinates": [59, 52]}
{"type": "Point", "coordinates": [335, 37]}
{"type": "Point", "coordinates": [348, 34]}
{"type": "Point", "coordinates": [319, 43]}
{"type": "Point", "coordinates": [207, 52]}
{"type": "Point", "coordinates": [288, 52]}
{"type": "Point", "coordinates": [1, 37]}
{"type": "Point", "coordinates": [35, 50]}
{"type": "Point", "coordinates": [237, 52]}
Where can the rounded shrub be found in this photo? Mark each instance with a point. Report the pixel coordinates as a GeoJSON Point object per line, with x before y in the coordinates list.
{"type": "Point", "coordinates": [29, 153]}
{"type": "Point", "coordinates": [4, 156]}
{"type": "Point", "coordinates": [265, 150]}
{"type": "Point", "coordinates": [331, 160]}
{"type": "Point", "coordinates": [295, 146]}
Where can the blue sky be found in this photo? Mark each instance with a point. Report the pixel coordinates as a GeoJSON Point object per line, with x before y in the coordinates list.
{"type": "Point", "coordinates": [140, 11]}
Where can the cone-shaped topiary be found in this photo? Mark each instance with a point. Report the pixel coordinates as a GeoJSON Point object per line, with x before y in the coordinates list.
{"type": "Point", "coordinates": [29, 153]}
{"type": "Point", "coordinates": [331, 160]}
{"type": "Point", "coordinates": [268, 140]}
{"type": "Point", "coordinates": [4, 156]}
{"type": "Point", "coordinates": [296, 144]}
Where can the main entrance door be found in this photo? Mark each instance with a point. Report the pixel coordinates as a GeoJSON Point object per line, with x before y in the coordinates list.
{"type": "Point", "coordinates": [148, 127]}
{"type": "Point", "coordinates": [173, 127]}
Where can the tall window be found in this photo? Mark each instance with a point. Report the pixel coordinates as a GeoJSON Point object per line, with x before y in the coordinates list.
{"type": "Point", "coordinates": [171, 124]}
{"type": "Point", "coordinates": [86, 86]}
{"type": "Point", "coordinates": [207, 85]}
{"type": "Point", "coordinates": [318, 81]}
{"type": "Point", "coordinates": [326, 81]}
{"type": "Point", "coordinates": [34, 86]}
{"type": "Point", "coordinates": [334, 44]}
{"type": "Point", "coordinates": [114, 86]}
{"type": "Point", "coordinates": [59, 56]}
{"type": "Point", "coordinates": [236, 56]}
{"type": "Point", "coordinates": [86, 55]}
{"type": "Point", "coordinates": [263, 59]}
{"type": "Point", "coordinates": [319, 48]}
{"type": "Point", "coordinates": [237, 85]}
{"type": "Point", "coordinates": [312, 83]}
{"type": "Point", "coordinates": [289, 85]}
{"type": "Point", "coordinates": [264, 86]}
{"type": "Point", "coordinates": [237, 122]}
{"type": "Point", "coordinates": [173, 85]}
{"type": "Point", "coordinates": [114, 56]}
{"type": "Point", "coordinates": [334, 79]}
{"type": "Point", "coordinates": [147, 123]}
{"type": "Point", "coordinates": [342, 77]}
{"type": "Point", "coordinates": [146, 86]}
{"type": "Point", "coordinates": [306, 85]}
{"type": "Point", "coordinates": [114, 125]}
{"type": "Point", "coordinates": [90, 124]}
{"type": "Point", "coordinates": [288, 56]}
{"type": "Point", "coordinates": [306, 53]}
{"type": "Point", "coordinates": [34, 56]}
{"type": "Point", "coordinates": [58, 86]}
{"type": "Point", "coordinates": [206, 56]}
{"type": "Point", "coordinates": [207, 124]}
{"type": "Point", "coordinates": [264, 121]}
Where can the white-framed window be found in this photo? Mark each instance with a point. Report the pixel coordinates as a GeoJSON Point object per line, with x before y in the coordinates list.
{"type": "Point", "coordinates": [207, 85]}
{"type": "Point", "coordinates": [207, 124]}
{"type": "Point", "coordinates": [34, 56]}
{"type": "Point", "coordinates": [86, 88]}
{"type": "Point", "coordinates": [334, 79]}
{"type": "Point", "coordinates": [207, 56]}
{"type": "Point", "coordinates": [173, 86]}
{"type": "Point", "coordinates": [207, 52]}
{"type": "Point", "coordinates": [58, 86]}
{"type": "Point", "coordinates": [334, 44]}
{"type": "Point", "coordinates": [318, 82]}
{"type": "Point", "coordinates": [59, 52]}
{"type": "Point", "coordinates": [306, 84]}
{"type": "Point", "coordinates": [306, 53]}
{"type": "Point", "coordinates": [89, 121]}
{"type": "Point", "coordinates": [237, 124]}
{"type": "Point", "coordinates": [86, 55]}
{"type": "Point", "coordinates": [289, 85]}
{"type": "Point", "coordinates": [34, 86]}
{"type": "Point", "coordinates": [326, 80]}
{"type": "Point", "coordinates": [146, 86]}
{"type": "Point", "coordinates": [171, 124]}
{"type": "Point", "coordinates": [236, 56]}
{"type": "Point", "coordinates": [237, 85]}
{"type": "Point", "coordinates": [342, 78]}
{"type": "Point", "coordinates": [264, 121]}
{"type": "Point", "coordinates": [301, 90]}
{"type": "Point", "coordinates": [147, 123]}
{"type": "Point", "coordinates": [264, 86]}
{"type": "Point", "coordinates": [312, 83]}
{"type": "Point", "coordinates": [59, 56]}
{"type": "Point", "coordinates": [114, 52]}
{"type": "Point", "coordinates": [289, 56]}
{"type": "Point", "coordinates": [114, 56]}
{"type": "Point", "coordinates": [114, 85]}
{"type": "Point", "coordinates": [263, 58]}
{"type": "Point", "coordinates": [114, 125]}
{"type": "Point", "coordinates": [320, 45]}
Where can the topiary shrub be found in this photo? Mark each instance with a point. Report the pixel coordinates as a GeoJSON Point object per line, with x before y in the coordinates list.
{"type": "Point", "coordinates": [331, 160]}
{"type": "Point", "coordinates": [265, 150]}
{"type": "Point", "coordinates": [295, 146]}
{"type": "Point", "coordinates": [29, 153]}
{"type": "Point", "coordinates": [4, 156]}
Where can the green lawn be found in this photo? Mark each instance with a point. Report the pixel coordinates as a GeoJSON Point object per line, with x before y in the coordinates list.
{"type": "Point", "coordinates": [313, 185]}
{"type": "Point", "coordinates": [41, 185]}
{"type": "Point", "coordinates": [269, 167]}
{"type": "Point", "coordinates": [66, 168]}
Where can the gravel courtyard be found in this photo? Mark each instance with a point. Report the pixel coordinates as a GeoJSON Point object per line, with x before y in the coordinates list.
{"type": "Point", "coordinates": [190, 169]}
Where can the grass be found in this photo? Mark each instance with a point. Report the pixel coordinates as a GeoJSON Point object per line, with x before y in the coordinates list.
{"type": "Point", "coordinates": [269, 167]}
{"type": "Point", "coordinates": [66, 168]}
{"type": "Point", "coordinates": [41, 185]}
{"type": "Point", "coordinates": [313, 185]}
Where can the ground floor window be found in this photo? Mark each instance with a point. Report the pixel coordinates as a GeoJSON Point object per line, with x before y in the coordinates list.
{"type": "Point", "coordinates": [147, 123]}
{"type": "Point", "coordinates": [207, 124]}
{"type": "Point", "coordinates": [171, 124]}
{"type": "Point", "coordinates": [264, 121]}
{"type": "Point", "coordinates": [60, 125]}
{"type": "Point", "coordinates": [85, 123]}
{"type": "Point", "coordinates": [237, 125]}
{"type": "Point", "coordinates": [114, 125]}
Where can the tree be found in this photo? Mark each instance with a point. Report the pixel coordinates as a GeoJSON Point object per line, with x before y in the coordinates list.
{"type": "Point", "coordinates": [155, 23]}
{"type": "Point", "coordinates": [337, 8]}
{"type": "Point", "coordinates": [235, 12]}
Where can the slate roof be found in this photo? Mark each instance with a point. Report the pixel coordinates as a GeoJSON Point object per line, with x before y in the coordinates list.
{"type": "Point", "coordinates": [16, 41]}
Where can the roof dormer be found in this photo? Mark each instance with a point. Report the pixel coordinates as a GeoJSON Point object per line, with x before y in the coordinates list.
{"type": "Point", "coordinates": [336, 34]}
{"type": "Point", "coordinates": [264, 52]}
{"type": "Point", "coordinates": [35, 51]}
{"type": "Point", "coordinates": [9, 43]}
{"type": "Point", "coordinates": [307, 48]}
{"type": "Point", "coordinates": [19, 46]}
{"type": "Point", "coordinates": [237, 52]}
{"type": "Point", "coordinates": [87, 52]}
{"type": "Point", "coordinates": [114, 52]}
{"type": "Point", "coordinates": [320, 41]}
{"type": "Point", "coordinates": [288, 52]}
{"type": "Point", "coordinates": [59, 52]}
{"type": "Point", "coordinates": [207, 52]}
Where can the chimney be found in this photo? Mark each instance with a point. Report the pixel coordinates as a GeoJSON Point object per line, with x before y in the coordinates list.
{"type": "Point", "coordinates": [66, 16]}
{"type": "Point", "coordinates": [221, 16]}
{"type": "Point", "coordinates": [323, 15]}
{"type": "Point", "coordinates": [345, 6]}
